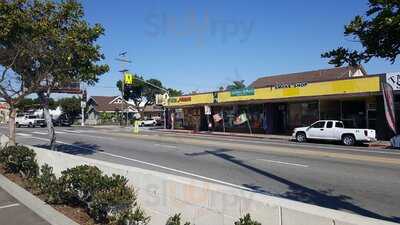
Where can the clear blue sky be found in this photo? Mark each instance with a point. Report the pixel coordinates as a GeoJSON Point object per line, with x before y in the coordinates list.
{"type": "Point", "coordinates": [201, 45]}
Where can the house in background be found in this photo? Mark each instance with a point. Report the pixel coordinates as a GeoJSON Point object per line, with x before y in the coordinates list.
{"type": "Point", "coordinates": [112, 109]}
{"type": "Point", "coordinates": [108, 110]}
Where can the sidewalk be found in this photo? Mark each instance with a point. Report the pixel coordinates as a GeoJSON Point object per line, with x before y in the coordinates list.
{"type": "Point", "coordinates": [379, 144]}
{"type": "Point", "coordinates": [12, 212]}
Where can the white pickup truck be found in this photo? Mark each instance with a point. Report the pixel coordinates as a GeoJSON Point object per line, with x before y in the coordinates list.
{"type": "Point", "coordinates": [333, 130]}
{"type": "Point", "coordinates": [29, 121]}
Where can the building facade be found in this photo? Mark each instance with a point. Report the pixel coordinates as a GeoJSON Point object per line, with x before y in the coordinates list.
{"type": "Point", "coordinates": [277, 104]}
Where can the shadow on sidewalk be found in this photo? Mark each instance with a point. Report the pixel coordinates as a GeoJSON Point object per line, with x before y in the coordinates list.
{"type": "Point", "coordinates": [298, 192]}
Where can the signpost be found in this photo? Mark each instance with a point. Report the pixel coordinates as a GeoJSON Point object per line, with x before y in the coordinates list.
{"type": "Point", "coordinates": [393, 79]}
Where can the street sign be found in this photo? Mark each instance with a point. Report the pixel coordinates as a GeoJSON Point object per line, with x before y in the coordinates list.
{"type": "Point", "coordinates": [162, 99]}
{"type": "Point", "coordinates": [83, 104]}
{"type": "Point", "coordinates": [128, 78]}
{"type": "Point", "coordinates": [393, 79]}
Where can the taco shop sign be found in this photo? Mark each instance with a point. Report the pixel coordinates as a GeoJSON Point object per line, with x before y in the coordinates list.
{"type": "Point", "coordinates": [242, 92]}
{"type": "Point", "coordinates": [180, 99]}
{"type": "Point", "coordinates": [393, 79]}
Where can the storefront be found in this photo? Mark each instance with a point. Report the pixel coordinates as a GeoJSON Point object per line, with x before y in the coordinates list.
{"type": "Point", "coordinates": [278, 108]}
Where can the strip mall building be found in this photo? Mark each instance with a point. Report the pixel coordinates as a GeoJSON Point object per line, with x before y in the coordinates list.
{"type": "Point", "coordinates": [277, 104]}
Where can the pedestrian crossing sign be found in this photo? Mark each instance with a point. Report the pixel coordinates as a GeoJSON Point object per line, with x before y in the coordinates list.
{"type": "Point", "coordinates": [128, 78]}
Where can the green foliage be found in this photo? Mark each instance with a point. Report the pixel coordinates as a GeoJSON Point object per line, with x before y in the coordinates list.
{"type": "Point", "coordinates": [78, 184]}
{"type": "Point", "coordinates": [174, 93]}
{"type": "Point", "coordinates": [246, 220]}
{"type": "Point", "coordinates": [48, 184]}
{"type": "Point", "coordinates": [378, 32]}
{"type": "Point", "coordinates": [70, 106]}
{"type": "Point", "coordinates": [19, 159]}
{"type": "Point", "coordinates": [143, 91]}
{"type": "Point", "coordinates": [175, 220]}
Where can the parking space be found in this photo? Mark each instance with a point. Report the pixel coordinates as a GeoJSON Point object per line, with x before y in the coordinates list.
{"type": "Point", "coordinates": [13, 212]}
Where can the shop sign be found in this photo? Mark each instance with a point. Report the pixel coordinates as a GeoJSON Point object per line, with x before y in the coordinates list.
{"type": "Point", "coordinates": [242, 92]}
{"type": "Point", "coordinates": [180, 99]}
{"type": "Point", "coordinates": [207, 110]}
{"type": "Point", "coordinates": [290, 85]}
{"type": "Point", "coordinates": [393, 79]}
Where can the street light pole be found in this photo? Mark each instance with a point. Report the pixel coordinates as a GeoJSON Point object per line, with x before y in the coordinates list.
{"type": "Point", "coordinates": [123, 60]}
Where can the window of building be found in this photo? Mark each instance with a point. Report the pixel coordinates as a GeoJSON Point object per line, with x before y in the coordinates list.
{"type": "Point", "coordinates": [354, 114]}
{"type": "Point", "coordinates": [302, 114]}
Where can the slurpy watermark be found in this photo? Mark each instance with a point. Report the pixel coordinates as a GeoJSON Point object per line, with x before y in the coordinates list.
{"type": "Point", "coordinates": [198, 26]}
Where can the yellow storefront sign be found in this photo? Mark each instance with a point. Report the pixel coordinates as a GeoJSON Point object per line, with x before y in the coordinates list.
{"type": "Point", "coordinates": [347, 86]}
{"type": "Point", "coordinates": [191, 100]}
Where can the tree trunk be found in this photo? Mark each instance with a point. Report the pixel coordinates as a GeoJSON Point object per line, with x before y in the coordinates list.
{"type": "Point", "coordinates": [11, 126]}
{"type": "Point", "coordinates": [44, 99]}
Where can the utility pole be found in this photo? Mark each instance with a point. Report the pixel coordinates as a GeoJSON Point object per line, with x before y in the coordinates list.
{"type": "Point", "coordinates": [124, 61]}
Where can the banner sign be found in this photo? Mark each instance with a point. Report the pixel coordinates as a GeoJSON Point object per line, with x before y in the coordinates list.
{"type": "Point", "coordinates": [242, 92]}
{"type": "Point", "coordinates": [389, 106]}
{"type": "Point", "coordinates": [393, 79]}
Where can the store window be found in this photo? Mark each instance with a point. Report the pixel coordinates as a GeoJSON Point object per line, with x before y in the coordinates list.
{"type": "Point", "coordinates": [302, 114]}
{"type": "Point", "coordinates": [330, 110]}
{"type": "Point", "coordinates": [354, 114]}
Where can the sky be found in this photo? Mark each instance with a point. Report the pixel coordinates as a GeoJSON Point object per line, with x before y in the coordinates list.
{"type": "Point", "coordinates": [202, 45]}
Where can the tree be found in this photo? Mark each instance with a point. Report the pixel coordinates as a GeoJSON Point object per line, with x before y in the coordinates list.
{"type": "Point", "coordinates": [378, 32]}
{"type": "Point", "coordinates": [47, 45]}
{"type": "Point", "coordinates": [145, 92]}
{"type": "Point", "coordinates": [70, 106]}
{"type": "Point", "coordinates": [236, 85]}
{"type": "Point", "coordinates": [174, 93]}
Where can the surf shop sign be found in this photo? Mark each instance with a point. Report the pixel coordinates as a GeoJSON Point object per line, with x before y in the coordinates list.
{"type": "Point", "coordinates": [290, 85]}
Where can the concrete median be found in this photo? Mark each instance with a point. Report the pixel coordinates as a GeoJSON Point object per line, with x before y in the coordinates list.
{"type": "Point", "coordinates": [205, 203]}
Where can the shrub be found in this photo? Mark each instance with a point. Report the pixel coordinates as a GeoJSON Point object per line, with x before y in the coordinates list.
{"type": "Point", "coordinates": [19, 159]}
{"type": "Point", "coordinates": [110, 203]}
{"type": "Point", "coordinates": [78, 184]}
{"type": "Point", "coordinates": [175, 220]}
{"type": "Point", "coordinates": [48, 184]}
{"type": "Point", "coordinates": [246, 220]}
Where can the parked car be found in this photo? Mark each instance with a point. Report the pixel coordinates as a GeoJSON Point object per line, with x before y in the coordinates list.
{"type": "Point", "coordinates": [148, 122]}
{"type": "Point", "coordinates": [335, 131]}
{"type": "Point", "coordinates": [63, 120]}
{"type": "Point", "coordinates": [29, 121]}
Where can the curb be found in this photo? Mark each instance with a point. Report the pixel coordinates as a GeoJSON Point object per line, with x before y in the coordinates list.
{"type": "Point", "coordinates": [39, 207]}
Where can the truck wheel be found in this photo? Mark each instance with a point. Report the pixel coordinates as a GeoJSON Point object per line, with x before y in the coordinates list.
{"type": "Point", "coordinates": [17, 125]}
{"type": "Point", "coordinates": [301, 137]}
{"type": "Point", "coordinates": [348, 140]}
{"type": "Point", "coordinates": [30, 125]}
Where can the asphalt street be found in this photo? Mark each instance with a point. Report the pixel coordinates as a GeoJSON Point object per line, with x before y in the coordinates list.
{"type": "Point", "coordinates": [359, 180]}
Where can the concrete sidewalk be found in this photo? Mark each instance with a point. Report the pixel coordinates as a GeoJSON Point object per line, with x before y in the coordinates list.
{"type": "Point", "coordinates": [13, 212]}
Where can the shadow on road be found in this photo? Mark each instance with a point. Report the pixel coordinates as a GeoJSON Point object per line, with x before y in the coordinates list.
{"type": "Point", "coordinates": [77, 148]}
{"type": "Point", "coordinates": [298, 192]}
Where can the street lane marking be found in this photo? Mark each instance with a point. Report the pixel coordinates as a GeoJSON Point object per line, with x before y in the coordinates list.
{"type": "Point", "coordinates": [60, 132]}
{"type": "Point", "coordinates": [9, 206]}
{"type": "Point", "coordinates": [41, 133]}
{"type": "Point", "coordinates": [285, 163]}
{"type": "Point", "coordinates": [72, 131]}
{"type": "Point", "coordinates": [24, 135]}
{"type": "Point", "coordinates": [166, 146]}
{"type": "Point", "coordinates": [156, 165]}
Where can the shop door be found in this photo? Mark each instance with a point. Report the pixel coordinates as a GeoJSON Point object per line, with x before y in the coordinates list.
{"type": "Point", "coordinates": [281, 118]}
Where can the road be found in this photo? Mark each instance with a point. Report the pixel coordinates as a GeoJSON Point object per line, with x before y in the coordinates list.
{"type": "Point", "coordinates": [359, 180]}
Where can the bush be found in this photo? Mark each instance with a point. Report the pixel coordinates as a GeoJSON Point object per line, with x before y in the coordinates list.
{"type": "Point", "coordinates": [175, 220]}
{"type": "Point", "coordinates": [78, 184]}
{"type": "Point", "coordinates": [246, 220]}
{"type": "Point", "coordinates": [109, 204]}
{"type": "Point", "coordinates": [19, 159]}
{"type": "Point", "coordinates": [48, 184]}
